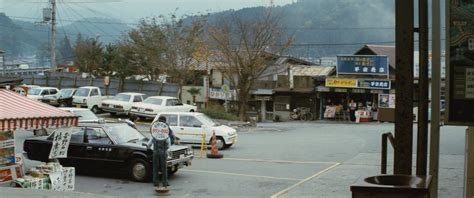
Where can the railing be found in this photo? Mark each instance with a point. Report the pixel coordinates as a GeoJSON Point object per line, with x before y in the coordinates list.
{"type": "Point", "coordinates": [203, 145]}
{"type": "Point", "coordinates": [390, 137]}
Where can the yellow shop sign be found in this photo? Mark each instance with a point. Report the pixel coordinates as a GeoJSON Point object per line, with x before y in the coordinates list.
{"type": "Point", "coordinates": [351, 83]}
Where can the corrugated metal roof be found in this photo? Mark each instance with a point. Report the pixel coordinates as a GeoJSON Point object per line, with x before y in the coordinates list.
{"type": "Point", "coordinates": [17, 111]}
{"type": "Point", "coordinates": [314, 71]}
{"type": "Point", "coordinates": [380, 50]}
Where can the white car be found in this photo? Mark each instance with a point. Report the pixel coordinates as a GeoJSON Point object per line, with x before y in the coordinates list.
{"type": "Point", "coordinates": [85, 115]}
{"type": "Point", "coordinates": [190, 126]}
{"type": "Point", "coordinates": [157, 104]}
{"type": "Point", "coordinates": [89, 97]}
{"type": "Point", "coordinates": [121, 103]}
{"type": "Point", "coordinates": [39, 93]}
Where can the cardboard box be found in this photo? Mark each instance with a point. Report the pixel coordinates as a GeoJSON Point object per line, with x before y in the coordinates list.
{"type": "Point", "coordinates": [9, 173]}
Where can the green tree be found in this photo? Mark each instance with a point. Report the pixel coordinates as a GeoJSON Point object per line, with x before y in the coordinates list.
{"type": "Point", "coordinates": [147, 43]}
{"type": "Point", "coordinates": [123, 64]}
{"type": "Point", "coordinates": [88, 55]}
{"type": "Point", "coordinates": [66, 51]}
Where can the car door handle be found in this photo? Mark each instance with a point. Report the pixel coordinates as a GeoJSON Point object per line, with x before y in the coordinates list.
{"type": "Point", "coordinates": [89, 148]}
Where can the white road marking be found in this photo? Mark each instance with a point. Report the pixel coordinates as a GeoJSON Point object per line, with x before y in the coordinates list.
{"type": "Point", "coordinates": [278, 194]}
{"type": "Point", "coordinates": [238, 174]}
{"type": "Point", "coordinates": [278, 161]}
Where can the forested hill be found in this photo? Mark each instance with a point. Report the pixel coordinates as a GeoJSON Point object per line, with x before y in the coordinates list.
{"type": "Point", "coordinates": [327, 28]}
{"type": "Point", "coordinates": [320, 27]}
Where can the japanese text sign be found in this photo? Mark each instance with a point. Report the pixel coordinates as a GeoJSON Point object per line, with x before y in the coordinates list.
{"type": "Point", "coordinates": [159, 130]}
{"type": "Point", "coordinates": [374, 84]}
{"type": "Point", "coordinates": [351, 83]}
{"type": "Point", "coordinates": [62, 138]}
{"type": "Point", "coordinates": [362, 64]}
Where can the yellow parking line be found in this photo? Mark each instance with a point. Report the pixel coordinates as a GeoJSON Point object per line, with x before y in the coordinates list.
{"type": "Point", "coordinates": [238, 174]}
{"type": "Point", "coordinates": [278, 161]}
{"type": "Point", "coordinates": [278, 194]}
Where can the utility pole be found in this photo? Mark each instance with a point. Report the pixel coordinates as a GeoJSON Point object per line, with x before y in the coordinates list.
{"type": "Point", "coordinates": [53, 35]}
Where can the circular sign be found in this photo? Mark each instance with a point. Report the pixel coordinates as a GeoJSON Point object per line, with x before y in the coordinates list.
{"type": "Point", "coordinates": [225, 88]}
{"type": "Point", "coordinates": [159, 130]}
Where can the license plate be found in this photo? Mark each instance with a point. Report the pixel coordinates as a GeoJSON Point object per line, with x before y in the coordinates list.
{"type": "Point", "coordinates": [78, 106]}
{"type": "Point", "coordinates": [181, 156]}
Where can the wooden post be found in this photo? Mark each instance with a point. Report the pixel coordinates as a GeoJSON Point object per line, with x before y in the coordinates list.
{"type": "Point", "coordinates": [404, 87]}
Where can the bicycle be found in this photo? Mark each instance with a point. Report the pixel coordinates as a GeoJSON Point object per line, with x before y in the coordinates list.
{"type": "Point", "coordinates": [302, 113]}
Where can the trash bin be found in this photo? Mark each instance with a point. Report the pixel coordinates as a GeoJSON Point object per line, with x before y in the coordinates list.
{"type": "Point", "coordinates": [393, 186]}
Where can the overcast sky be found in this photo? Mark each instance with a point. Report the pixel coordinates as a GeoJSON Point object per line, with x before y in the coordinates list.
{"type": "Point", "coordinates": [126, 10]}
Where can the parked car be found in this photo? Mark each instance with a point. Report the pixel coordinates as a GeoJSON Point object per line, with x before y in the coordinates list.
{"type": "Point", "coordinates": [85, 115]}
{"type": "Point", "coordinates": [89, 97]}
{"type": "Point", "coordinates": [63, 99]}
{"type": "Point", "coordinates": [38, 93]}
{"type": "Point", "coordinates": [121, 103]}
{"type": "Point", "coordinates": [109, 147]}
{"type": "Point", "coordinates": [186, 125]}
{"type": "Point", "coordinates": [156, 104]}
{"type": "Point", "coordinates": [24, 89]}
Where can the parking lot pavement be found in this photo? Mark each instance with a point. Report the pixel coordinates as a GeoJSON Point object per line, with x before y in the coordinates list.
{"type": "Point", "coordinates": [299, 159]}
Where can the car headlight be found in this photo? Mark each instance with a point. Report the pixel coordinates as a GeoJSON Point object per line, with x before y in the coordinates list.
{"type": "Point", "coordinates": [84, 100]}
{"type": "Point", "coordinates": [170, 155]}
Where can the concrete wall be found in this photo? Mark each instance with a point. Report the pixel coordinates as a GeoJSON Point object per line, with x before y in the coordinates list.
{"type": "Point", "coordinates": [147, 87]}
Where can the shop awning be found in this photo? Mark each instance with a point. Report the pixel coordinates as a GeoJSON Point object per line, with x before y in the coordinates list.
{"type": "Point", "coordinates": [20, 112]}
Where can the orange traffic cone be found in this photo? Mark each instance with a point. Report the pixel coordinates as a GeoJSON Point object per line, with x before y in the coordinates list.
{"type": "Point", "coordinates": [214, 151]}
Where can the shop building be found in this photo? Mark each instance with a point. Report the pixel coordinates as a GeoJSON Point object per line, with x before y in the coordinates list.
{"type": "Point", "coordinates": [361, 77]}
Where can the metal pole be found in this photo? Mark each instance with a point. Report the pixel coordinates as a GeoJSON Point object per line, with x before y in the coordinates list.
{"type": "Point", "coordinates": [53, 35]}
{"type": "Point", "coordinates": [435, 96]}
{"type": "Point", "coordinates": [422, 140]}
{"type": "Point", "coordinates": [404, 87]}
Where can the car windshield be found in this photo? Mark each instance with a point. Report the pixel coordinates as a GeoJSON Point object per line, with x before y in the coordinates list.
{"type": "Point", "coordinates": [65, 93]}
{"type": "Point", "coordinates": [207, 120]}
{"type": "Point", "coordinates": [86, 115]}
{"type": "Point", "coordinates": [82, 92]}
{"type": "Point", "coordinates": [123, 133]}
{"type": "Point", "coordinates": [35, 91]}
{"type": "Point", "coordinates": [154, 101]}
{"type": "Point", "coordinates": [122, 97]}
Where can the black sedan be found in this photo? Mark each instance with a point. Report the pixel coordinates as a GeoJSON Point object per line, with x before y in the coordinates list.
{"type": "Point", "coordinates": [62, 99]}
{"type": "Point", "coordinates": [109, 146]}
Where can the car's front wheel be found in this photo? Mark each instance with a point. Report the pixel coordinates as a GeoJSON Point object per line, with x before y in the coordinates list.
{"type": "Point", "coordinates": [95, 109]}
{"type": "Point", "coordinates": [140, 170]}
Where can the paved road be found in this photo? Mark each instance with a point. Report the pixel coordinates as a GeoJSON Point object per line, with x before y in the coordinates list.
{"type": "Point", "coordinates": [273, 158]}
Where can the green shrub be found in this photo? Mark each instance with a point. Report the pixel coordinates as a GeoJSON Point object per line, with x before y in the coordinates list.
{"type": "Point", "coordinates": [218, 112]}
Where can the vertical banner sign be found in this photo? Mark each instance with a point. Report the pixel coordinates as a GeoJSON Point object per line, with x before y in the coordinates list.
{"type": "Point", "coordinates": [363, 64]}
{"type": "Point", "coordinates": [460, 62]}
{"type": "Point", "coordinates": [62, 138]}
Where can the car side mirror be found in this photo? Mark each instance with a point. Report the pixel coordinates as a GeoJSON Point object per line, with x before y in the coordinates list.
{"type": "Point", "coordinates": [145, 145]}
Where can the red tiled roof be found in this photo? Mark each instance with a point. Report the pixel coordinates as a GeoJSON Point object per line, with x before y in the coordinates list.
{"type": "Point", "coordinates": [17, 111]}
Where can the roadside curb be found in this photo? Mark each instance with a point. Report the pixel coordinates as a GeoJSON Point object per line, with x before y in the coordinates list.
{"type": "Point", "coordinates": [22, 192]}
